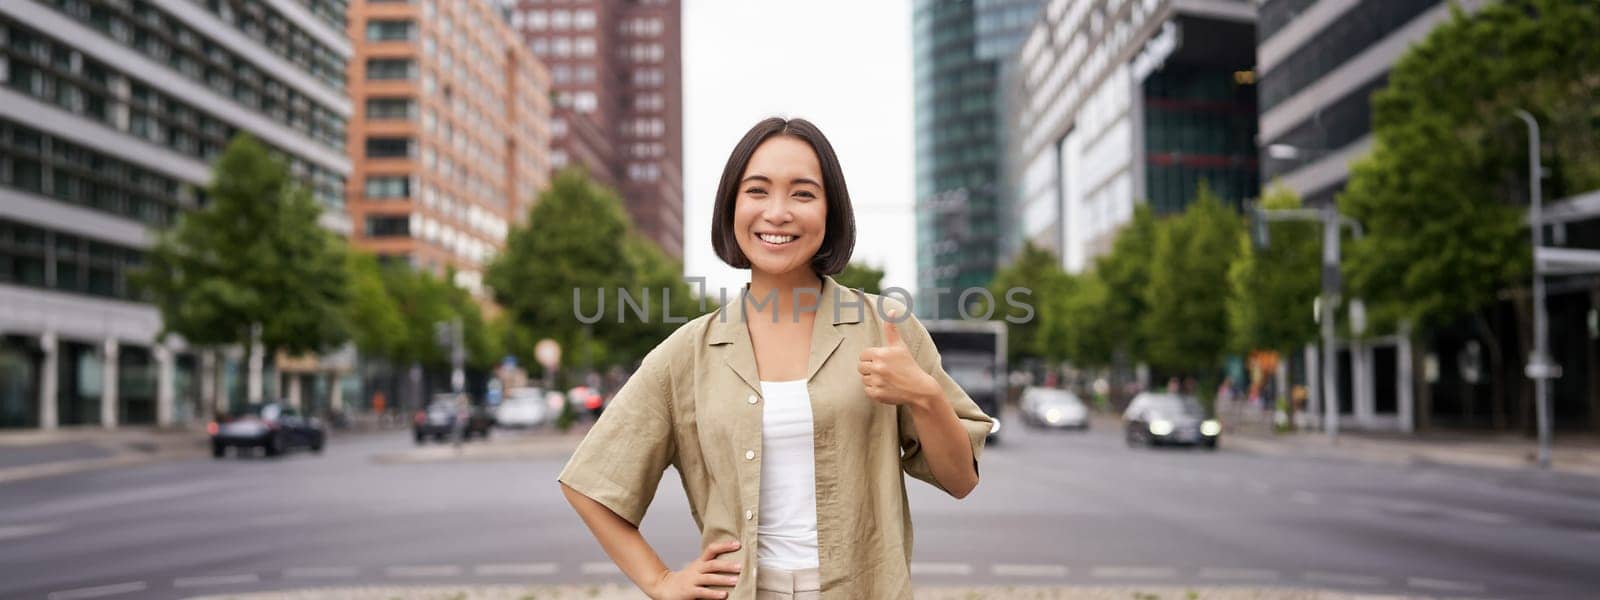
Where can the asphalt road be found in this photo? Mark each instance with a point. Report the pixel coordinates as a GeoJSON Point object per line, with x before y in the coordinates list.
{"type": "Point", "coordinates": [1053, 508]}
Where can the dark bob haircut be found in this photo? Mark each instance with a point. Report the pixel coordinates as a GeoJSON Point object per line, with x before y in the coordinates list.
{"type": "Point", "coordinates": [840, 239]}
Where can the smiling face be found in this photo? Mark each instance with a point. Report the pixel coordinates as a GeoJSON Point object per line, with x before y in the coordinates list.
{"type": "Point", "coordinates": [781, 211]}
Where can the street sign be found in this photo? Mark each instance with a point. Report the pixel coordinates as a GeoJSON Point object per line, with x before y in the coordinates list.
{"type": "Point", "coordinates": [548, 353]}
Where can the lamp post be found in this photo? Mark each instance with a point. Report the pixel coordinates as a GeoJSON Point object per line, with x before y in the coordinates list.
{"type": "Point", "coordinates": [1540, 368]}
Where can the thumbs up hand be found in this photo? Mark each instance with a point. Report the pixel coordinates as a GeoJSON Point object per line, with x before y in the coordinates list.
{"type": "Point", "coordinates": [890, 373]}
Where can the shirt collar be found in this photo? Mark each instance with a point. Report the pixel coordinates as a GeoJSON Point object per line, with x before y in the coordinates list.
{"type": "Point", "coordinates": [836, 305]}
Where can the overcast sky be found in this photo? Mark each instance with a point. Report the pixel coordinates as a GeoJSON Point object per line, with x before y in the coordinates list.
{"type": "Point", "coordinates": [844, 65]}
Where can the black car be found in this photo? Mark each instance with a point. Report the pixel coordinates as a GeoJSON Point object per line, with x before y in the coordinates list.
{"type": "Point", "coordinates": [1161, 419]}
{"type": "Point", "coordinates": [442, 417]}
{"type": "Point", "coordinates": [274, 427]}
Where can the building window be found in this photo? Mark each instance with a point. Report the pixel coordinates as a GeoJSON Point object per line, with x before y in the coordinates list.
{"type": "Point", "coordinates": [388, 147]}
{"type": "Point", "coordinates": [560, 19]}
{"type": "Point", "coordinates": [391, 68]}
{"type": "Point", "coordinates": [584, 46]}
{"type": "Point", "coordinates": [585, 102]}
{"type": "Point", "coordinates": [380, 226]}
{"type": "Point", "coordinates": [390, 108]}
{"type": "Point", "coordinates": [388, 186]}
{"type": "Point", "coordinates": [583, 19]}
{"type": "Point", "coordinates": [386, 30]}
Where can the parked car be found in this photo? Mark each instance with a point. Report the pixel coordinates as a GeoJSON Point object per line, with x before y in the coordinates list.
{"type": "Point", "coordinates": [585, 399]}
{"type": "Point", "coordinates": [1053, 408]}
{"type": "Point", "coordinates": [523, 407]}
{"type": "Point", "coordinates": [441, 418]}
{"type": "Point", "coordinates": [1160, 418]}
{"type": "Point", "coordinates": [272, 426]}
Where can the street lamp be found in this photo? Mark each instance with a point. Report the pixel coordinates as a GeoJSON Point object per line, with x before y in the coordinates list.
{"type": "Point", "coordinates": [1540, 368]}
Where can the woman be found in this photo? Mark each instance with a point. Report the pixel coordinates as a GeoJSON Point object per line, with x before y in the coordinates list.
{"type": "Point", "coordinates": [789, 414]}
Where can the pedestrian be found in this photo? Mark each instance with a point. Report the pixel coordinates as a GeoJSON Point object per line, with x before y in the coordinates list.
{"type": "Point", "coordinates": [793, 429]}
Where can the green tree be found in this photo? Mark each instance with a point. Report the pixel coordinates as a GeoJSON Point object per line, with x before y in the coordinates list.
{"type": "Point", "coordinates": [1079, 325]}
{"type": "Point", "coordinates": [861, 277]}
{"type": "Point", "coordinates": [1272, 288]}
{"type": "Point", "coordinates": [1186, 325]}
{"type": "Point", "coordinates": [376, 325]}
{"type": "Point", "coordinates": [1125, 272]}
{"type": "Point", "coordinates": [577, 238]}
{"type": "Point", "coordinates": [1443, 193]}
{"type": "Point", "coordinates": [255, 256]}
{"type": "Point", "coordinates": [1038, 270]}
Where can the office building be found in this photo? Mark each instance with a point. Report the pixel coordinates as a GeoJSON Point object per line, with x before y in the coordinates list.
{"type": "Point", "coordinates": [110, 116]}
{"type": "Point", "coordinates": [617, 75]}
{"type": "Point", "coordinates": [958, 49]}
{"type": "Point", "coordinates": [450, 134]}
{"type": "Point", "coordinates": [1116, 103]}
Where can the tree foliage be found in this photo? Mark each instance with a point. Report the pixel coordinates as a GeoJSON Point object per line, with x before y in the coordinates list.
{"type": "Point", "coordinates": [1272, 288]}
{"type": "Point", "coordinates": [1125, 272]}
{"type": "Point", "coordinates": [1443, 192]}
{"type": "Point", "coordinates": [1186, 298]}
{"type": "Point", "coordinates": [255, 254]}
{"type": "Point", "coordinates": [1038, 270]}
{"type": "Point", "coordinates": [577, 237]}
{"type": "Point", "coordinates": [862, 277]}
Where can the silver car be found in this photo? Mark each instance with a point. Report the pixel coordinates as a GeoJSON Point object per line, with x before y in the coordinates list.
{"type": "Point", "coordinates": [1053, 408]}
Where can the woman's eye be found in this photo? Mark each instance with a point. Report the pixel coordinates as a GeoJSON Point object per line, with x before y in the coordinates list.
{"type": "Point", "coordinates": [805, 194]}
{"type": "Point", "coordinates": [755, 190]}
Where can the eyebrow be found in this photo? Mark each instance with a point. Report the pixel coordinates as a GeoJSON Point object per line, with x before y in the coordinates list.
{"type": "Point", "coordinates": [764, 178]}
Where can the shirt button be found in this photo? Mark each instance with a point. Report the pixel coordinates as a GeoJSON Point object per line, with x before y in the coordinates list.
{"type": "Point", "coordinates": [752, 399]}
{"type": "Point", "coordinates": [749, 454]}
{"type": "Point", "coordinates": [749, 514]}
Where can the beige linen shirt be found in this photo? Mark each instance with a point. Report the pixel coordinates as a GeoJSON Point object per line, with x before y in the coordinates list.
{"type": "Point", "coordinates": [695, 404]}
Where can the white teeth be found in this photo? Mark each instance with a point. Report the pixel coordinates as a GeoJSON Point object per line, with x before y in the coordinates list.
{"type": "Point", "coordinates": [775, 239]}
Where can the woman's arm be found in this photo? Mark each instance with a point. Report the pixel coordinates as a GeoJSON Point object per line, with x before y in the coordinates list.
{"type": "Point", "coordinates": [945, 443]}
{"type": "Point", "coordinates": [634, 556]}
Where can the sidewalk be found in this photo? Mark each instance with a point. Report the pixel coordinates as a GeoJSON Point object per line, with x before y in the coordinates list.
{"type": "Point", "coordinates": [40, 453]}
{"type": "Point", "coordinates": [1575, 454]}
{"type": "Point", "coordinates": [620, 592]}
{"type": "Point", "coordinates": [545, 442]}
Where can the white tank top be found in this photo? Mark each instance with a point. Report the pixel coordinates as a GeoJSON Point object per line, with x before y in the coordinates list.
{"type": "Point", "coordinates": [786, 536]}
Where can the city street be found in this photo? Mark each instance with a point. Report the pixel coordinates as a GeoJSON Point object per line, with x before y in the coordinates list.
{"type": "Point", "coordinates": [1053, 509]}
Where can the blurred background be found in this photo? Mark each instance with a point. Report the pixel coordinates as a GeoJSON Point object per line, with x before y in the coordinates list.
{"type": "Point", "coordinates": [287, 287]}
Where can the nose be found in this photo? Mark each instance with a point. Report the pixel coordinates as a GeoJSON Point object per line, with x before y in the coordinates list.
{"type": "Point", "coordinates": [777, 211]}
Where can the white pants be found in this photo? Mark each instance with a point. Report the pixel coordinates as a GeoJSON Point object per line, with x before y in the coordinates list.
{"type": "Point", "coordinates": [778, 584]}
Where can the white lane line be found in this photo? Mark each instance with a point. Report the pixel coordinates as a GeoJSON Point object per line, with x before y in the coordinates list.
{"type": "Point", "coordinates": [22, 531]}
{"type": "Point", "coordinates": [1304, 498]}
{"type": "Point", "coordinates": [599, 568]}
{"type": "Point", "coordinates": [98, 591]}
{"type": "Point", "coordinates": [941, 568]}
{"type": "Point", "coordinates": [1239, 574]}
{"type": "Point", "coordinates": [1134, 572]}
{"type": "Point", "coordinates": [278, 519]}
{"type": "Point", "coordinates": [424, 571]}
{"type": "Point", "coordinates": [1029, 570]}
{"type": "Point", "coordinates": [1342, 578]}
{"type": "Point", "coordinates": [210, 580]}
{"type": "Point", "coordinates": [320, 572]}
{"type": "Point", "coordinates": [523, 569]}
{"type": "Point", "coordinates": [1444, 585]}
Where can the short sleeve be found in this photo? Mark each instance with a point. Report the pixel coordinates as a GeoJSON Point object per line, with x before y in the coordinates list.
{"type": "Point", "coordinates": [620, 461]}
{"type": "Point", "coordinates": [972, 418]}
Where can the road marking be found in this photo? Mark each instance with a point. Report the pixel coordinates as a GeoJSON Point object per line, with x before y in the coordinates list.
{"type": "Point", "coordinates": [424, 571]}
{"type": "Point", "coordinates": [525, 569]}
{"type": "Point", "coordinates": [1239, 574]}
{"type": "Point", "coordinates": [110, 499]}
{"type": "Point", "coordinates": [209, 580]}
{"type": "Point", "coordinates": [98, 591]}
{"type": "Point", "coordinates": [1134, 572]}
{"type": "Point", "coordinates": [278, 519]}
{"type": "Point", "coordinates": [599, 568]}
{"type": "Point", "coordinates": [1304, 497]}
{"type": "Point", "coordinates": [319, 572]}
{"type": "Point", "coordinates": [1029, 570]}
{"type": "Point", "coordinates": [941, 568]}
{"type": "Point", "coordinates": [22, 531]}
{"type": "Point", "coordinates": [1444, 585]}
{"type": "Point", "coordinates": [1343, 578]}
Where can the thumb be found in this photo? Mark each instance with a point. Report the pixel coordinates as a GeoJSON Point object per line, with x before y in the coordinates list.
{"type": "Point", "coordinates": [891, 334]}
